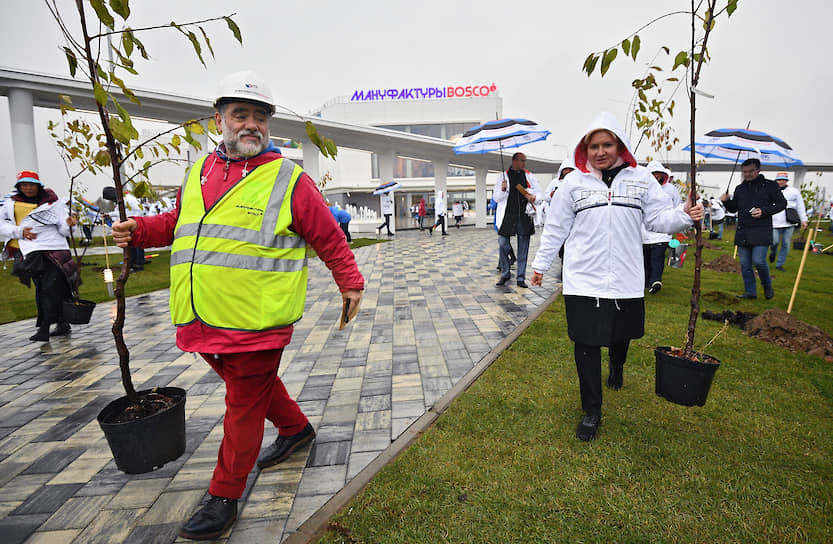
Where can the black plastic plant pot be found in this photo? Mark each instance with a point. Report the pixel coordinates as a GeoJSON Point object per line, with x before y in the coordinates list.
{"type": "Point", "coordinates": [78, 312]}
{"type": "Point", "coordinates": [681, 380]}
{"type": "Point", "coordinates": [145, 444]}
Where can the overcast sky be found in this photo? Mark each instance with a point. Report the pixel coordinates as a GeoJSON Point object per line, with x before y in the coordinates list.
{"type": "Point", "coordinates": [771, 61]}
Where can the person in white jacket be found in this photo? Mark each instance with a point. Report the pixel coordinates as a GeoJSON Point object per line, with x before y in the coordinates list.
{"type": "Point", "coordinates": [782, 230]}
{"type": "Point", "coordinates": [565, 168]}
{"type": "Point", "coordinates": [654, 244]}
{"type": "Point", "coordinates": [386, 205]}
{"type": "Point", "coordinates": [440, 207]}
{"type": "Point", "coordinates": [512, 216]}
{"type": "Point", "coordinates": [597, 213]}
{"type": "Point", "coordinates": [36, 222]}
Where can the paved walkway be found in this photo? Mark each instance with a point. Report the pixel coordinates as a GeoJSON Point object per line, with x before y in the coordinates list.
{"type": "Point", "coordinates": [430, 313]}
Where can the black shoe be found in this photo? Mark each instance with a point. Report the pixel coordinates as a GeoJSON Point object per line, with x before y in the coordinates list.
{"type": "Point", "coordinates": [588, 427]}
{"type": "Point", "coordinates": [746, 295]}
{"type": "Point", "coordinates": [62, 329]}
{"type": "Point", "coordinates": [768, 292]}
{"type": "Point", "coordinates": [284, 446]}
{"type": "Point", "coordinates": [614, 379]}
{"type": "Point", "coordinates": [431, 231]}
{"type": "Point", "coordinates": [501, 282]}
{"type": "Point", "coordinates": [781, 268]}
{"type": "Point", "coordinates": [655, 287]}
{"type": "Point", "coordinates": [41, 336]}
{"type": "Point", "coordinates": [523, 285]}
{"type": "Point", "coordinates": [772, 256]}
{"type": "Point", "coordinates": [212, 520]}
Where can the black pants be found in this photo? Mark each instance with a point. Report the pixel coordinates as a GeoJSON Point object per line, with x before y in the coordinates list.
{"type": "Point", "coordinates": [137, 258]}
{"type": "Point", "coordinates": [386, 224]}
{"type": "Point", "coordinates": [440, 221]}
{"type": "Point", "coordinates": [589, 366]}
{"type": "Point", "coordinates": [653, 256]}
{"type": "Point", "coordinates": [345, 227]}
{"type": "Point", "coordinates": [51, 289]}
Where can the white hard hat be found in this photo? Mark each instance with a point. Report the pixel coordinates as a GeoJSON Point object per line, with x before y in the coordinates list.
{"type": "Point", "coordinates": [245, 86]}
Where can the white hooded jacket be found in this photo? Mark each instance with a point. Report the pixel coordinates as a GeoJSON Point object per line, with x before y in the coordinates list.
{"type": "Point", "coordinates": [600, 226]}
{"type": "Point", "coordinates": [50, 226]}
{"type": "Point", "coordinates": [670, 191]}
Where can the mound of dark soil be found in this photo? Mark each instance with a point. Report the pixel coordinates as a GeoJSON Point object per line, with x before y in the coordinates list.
{"type": "Point", "coordinates": [724, 263]}
{"type": "Point", "coordinates": [780, 328]}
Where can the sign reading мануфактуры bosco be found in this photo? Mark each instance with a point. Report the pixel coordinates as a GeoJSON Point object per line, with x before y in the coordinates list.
{"type": "Point", "coordinates": [417, 93]}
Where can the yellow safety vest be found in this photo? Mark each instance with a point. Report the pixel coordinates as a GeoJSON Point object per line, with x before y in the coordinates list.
{"type": "Point", "coordinates": [238, 265]}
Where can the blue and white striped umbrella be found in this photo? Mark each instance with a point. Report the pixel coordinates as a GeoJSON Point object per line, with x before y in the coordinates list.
{"type": "Point", "coordinates": [500, 134]}
{"type": "Point", "coordinates": [739, 144]}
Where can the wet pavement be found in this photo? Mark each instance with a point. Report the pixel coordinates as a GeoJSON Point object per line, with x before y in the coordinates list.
{"type": "Point", "coordinates": [429, 315]}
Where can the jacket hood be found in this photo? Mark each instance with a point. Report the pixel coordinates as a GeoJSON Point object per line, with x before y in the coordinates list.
{"type": "Point", "coordinates": [656, 166]}
{"type": "Point", "coordinates": [606, 121]}
{"type": "Point", "coordinates": [566, 163]}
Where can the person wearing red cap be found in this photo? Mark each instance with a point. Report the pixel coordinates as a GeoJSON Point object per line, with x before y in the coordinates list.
{"type": "Point", "coordinates": [37, 225]}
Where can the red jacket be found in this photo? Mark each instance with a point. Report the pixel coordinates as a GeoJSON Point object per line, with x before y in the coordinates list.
{"type": "Point", "coordinates": [311, 219]}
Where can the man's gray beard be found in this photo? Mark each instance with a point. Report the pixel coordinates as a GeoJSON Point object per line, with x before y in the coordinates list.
{"type": "Point", "coordinates": [237, 149]}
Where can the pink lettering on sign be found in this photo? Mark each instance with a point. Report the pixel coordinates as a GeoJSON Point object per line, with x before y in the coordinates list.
{"type": "Point", "coordinates": [417, 93]}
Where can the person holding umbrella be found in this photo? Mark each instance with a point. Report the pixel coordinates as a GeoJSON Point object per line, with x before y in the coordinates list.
{"type": "Point", "coordinates": [513, 208]}
{"type": "Point", "coordinates": [755, 200]}
{"type": "Point", "coordinates": [597, 213]}
{"type": "Point", "coordinates": [386, 203]}
{"type": "Point", "coordinates": [439, 213]}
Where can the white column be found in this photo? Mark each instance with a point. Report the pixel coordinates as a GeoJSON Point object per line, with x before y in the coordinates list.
{"type": "Point", "coordinates": [311, 161]}
{"type": "Point", "coordinates": [480, 197]}
{"type": "Point", "coordinates": [799, 177]}
{"type": "Point", "coordinates": [22, 117]}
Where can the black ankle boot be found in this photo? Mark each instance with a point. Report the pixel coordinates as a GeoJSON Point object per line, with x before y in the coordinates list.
{"type": "Point", "coordinates": [62, 329]}
{"type": "Point", "coordinates": [614, 379]}
{"type": "Point", "coordinates": [42, 335]}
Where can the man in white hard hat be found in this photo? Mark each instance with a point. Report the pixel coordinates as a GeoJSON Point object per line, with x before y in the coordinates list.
{"type": "Point", "coordinates": [239, 232]}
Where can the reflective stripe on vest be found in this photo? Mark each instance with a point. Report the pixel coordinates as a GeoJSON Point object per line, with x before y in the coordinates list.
{"type": "Point", "coordinates": [238, 265]}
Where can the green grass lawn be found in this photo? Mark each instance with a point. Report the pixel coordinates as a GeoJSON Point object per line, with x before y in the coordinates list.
{"type": "Point", "coordinates": [502, 464]}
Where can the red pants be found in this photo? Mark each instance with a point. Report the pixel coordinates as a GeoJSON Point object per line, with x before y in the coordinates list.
{"type": "Point", "coordinates": [253, 392]}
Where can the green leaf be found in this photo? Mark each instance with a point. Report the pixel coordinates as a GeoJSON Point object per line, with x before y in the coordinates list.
{"type": "Point", "coordinates": [212, 126]}
{"type": "Point", "coordinates": [140, 153]}
{"type": "Point", "coordinates": [193, 38]}
{"type": "Point", "coordinates": [195, 127]}
{"type": "Point", "coordinates": [140, 46]}
{"type": "Point", "coordinates": [72, 60]}
{"type": "Point", "coordinates": [125, 117]}
{"type": "Point", "coordinates": [626, 46]}
{"type": "Point", "coordinates": [175, 141]}
{"type": "Point", "coordinates": [681, 58]}
{"type": "Point", "coordinates": [671, 108]}
{"type": "Point", "coordinates": [141, 189]}
{"type": "Point", "coordinates": [310, 129]}
{"type": "Point", "coordinates": [635, 46]}
{"type": "Point", "coordinates": [127, 42]}
{"type": "Point", "coordinates": [672, 79]}
{"type": "Point", "coordinates": [207, 41]}
{"type": "Point", "coordinates": [731, 6]}
{"type": "Point", "coordinates": [122, 132]}
{"type": "Point", "coordinates": [607, 58]}
{"type": "Point", "coordinates": [331, 147]}
{"type": "Point", "coordinates": [234, 28]}
{"type": "Point", "coordinates": [120, 7]}
{"type": "Point", "coordinates": [102, 158]}
{"type": "Point", "coordinates": [708, 21]}
{"type": "Point", "coordinates": [101, 73]}
{"type": "Point", "coordinates": [102, 13]}
{"type": "Point", "coordinates": [100, 94]}
{"type": "Point", "coordinates": [667, 51]}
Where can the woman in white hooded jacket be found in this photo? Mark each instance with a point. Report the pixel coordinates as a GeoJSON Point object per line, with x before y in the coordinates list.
{"type": "Point", "coordinates": [597, 214]}
{"type": "Point", "coordinates": [36, 223]}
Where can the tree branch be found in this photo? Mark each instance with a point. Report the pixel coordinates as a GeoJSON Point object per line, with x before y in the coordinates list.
{"type": "Point", "coordinates": [181, 125]}
{"type": "Point", "coordinates": [134, 30]}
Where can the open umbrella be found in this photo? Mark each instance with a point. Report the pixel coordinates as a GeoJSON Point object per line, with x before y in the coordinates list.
{"type": "Point", "coordinates": [387, 187]}
{"type": "Point", "coordinates": [739, 144]}
{"type": "Point", "coordinates": [498, 135]}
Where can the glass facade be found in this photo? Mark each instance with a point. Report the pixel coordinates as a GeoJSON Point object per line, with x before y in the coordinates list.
{"type": "Point", "coordinates": [415, 168]}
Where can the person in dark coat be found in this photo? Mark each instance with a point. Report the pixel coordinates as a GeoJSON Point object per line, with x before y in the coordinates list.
{"type": "Point", "coordinates": [755, 200]}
